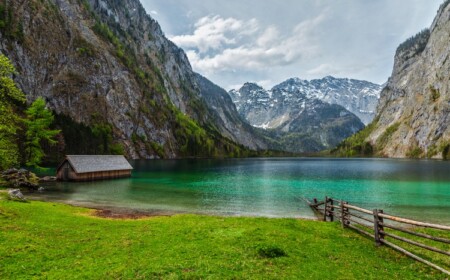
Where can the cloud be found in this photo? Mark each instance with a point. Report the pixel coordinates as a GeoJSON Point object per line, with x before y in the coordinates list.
{"type": "Point", "coordinates": [153, 12]}
{"type": "Point", "coordinates": [214, 33]}
{"type": "Point", "coordinates": [228, 44]}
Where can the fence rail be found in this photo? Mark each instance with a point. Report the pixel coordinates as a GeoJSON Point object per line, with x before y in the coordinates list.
{"type": "Point", "coordinates": [372, 223]}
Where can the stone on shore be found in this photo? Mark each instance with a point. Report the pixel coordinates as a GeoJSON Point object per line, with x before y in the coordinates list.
{"type": "Point", "coordinates": [16, 194]}
{"type": "Point", "coordinates": [20, 178]}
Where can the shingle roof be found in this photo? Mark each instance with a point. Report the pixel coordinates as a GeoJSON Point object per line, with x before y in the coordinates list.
{"type": "Point", "coordinates": [86, 164]}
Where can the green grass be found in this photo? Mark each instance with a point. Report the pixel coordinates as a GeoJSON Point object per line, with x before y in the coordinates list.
{"type": "Point", "coordinates": [54, 241]}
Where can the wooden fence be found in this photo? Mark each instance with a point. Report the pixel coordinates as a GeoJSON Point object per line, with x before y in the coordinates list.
{"type": "Point", "coordinates": [375, 223]}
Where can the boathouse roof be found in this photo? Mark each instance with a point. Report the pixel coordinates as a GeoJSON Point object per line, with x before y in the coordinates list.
{"type": "Point", "coordinates": [98, 163]}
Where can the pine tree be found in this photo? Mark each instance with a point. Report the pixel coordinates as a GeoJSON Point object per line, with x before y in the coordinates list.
{"type": "Point", "coordinates": [10, 97]}
{"type": "Point", "coordinates": [38, 122]}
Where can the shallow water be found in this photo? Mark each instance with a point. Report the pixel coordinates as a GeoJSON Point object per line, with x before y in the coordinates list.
{"type": "Point", "coordinates": [270, 187]}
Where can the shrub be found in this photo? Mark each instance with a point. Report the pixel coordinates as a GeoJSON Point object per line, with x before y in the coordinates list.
{"type": "Point", "coordinates": [446, 152]}
{"type": "Point", "coordinates": [387, 134]}
{"type": "Point", "coordinates": [435, 94]}
{"type": "Point", "coordinates": [415, 152]}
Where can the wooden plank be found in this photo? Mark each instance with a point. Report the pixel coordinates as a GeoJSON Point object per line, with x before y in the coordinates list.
{"type": "Point", "coordinates": [411, 255]}
{"type": "Point", "coordinates": [376, 228]}
{"type": "Point", "coordinates": [418, 244]}
{"type": "Point", "coordinates": [311, 204]}
{"type": "Point", "coordinates": [412, 222]}
{"type": "Point", "coordinates": [331, 211]}
{"type": "Point", "coordinates": [360, 230]}
{"type": "Point", "coordinates": [325, 210]}
{"type": "Point", "coordinates": [361, 217]}
{"type": "Point", "coordinates": [359, 209]}
{"type": "Point", "coordinates": [439, 239]}
{"type": "Point", "coordinates": [343, 214]}
{"type": "Point", "coordinates": [361, 224]}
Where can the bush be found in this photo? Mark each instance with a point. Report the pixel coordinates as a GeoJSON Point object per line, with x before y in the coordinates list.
{"type": "Point", "coordinates": [415, 152]}
{"type": "Point", "coordinates": [446, 152]}
{"type": "Point", "coordinates": [435, 94]}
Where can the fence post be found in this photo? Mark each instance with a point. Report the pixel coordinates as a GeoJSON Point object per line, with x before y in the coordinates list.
{"type": "Point", "coordinates": [376, 227]}
{"type": "Point", "coordinates": [325, 209]}
{"type": "Point", "coordinates": [380, 225]}
{"type": "Point", "coordinates": [331, 214]}
{"type": "Point", "coordinates": [344, 211]}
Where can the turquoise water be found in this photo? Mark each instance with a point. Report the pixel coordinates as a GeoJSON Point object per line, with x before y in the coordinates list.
{"type": "Point", "coordinates": [270, 187]}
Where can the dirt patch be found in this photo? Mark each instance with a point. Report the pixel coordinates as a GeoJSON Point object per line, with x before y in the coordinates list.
{"type": "Point", "coordinates": [132, 215]}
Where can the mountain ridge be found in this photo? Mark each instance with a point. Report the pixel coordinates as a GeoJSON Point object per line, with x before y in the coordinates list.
{"type": "Point", "coordinates": [107, 65]}
{"type": "Point", "coordinates": [357, 96]}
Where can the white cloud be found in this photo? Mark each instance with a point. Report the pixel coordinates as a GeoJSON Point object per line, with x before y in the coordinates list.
{"type": "Point", "coordinates": [218, 44]}
{"type": "Point", "coordinates": [153, 12]}
{"type": "Point", "coordinates": [269, 36]}
{"type": "Point", "coordinates": [214, 33]}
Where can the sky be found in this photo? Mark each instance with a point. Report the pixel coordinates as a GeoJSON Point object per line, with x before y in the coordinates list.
{"type": "Point", "coordinates": [268, 41]}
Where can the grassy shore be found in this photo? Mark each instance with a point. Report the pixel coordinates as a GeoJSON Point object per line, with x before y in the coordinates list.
{"type": "Point", "coordinates": [56, 241]}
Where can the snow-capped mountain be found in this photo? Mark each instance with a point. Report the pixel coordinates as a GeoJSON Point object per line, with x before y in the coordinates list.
{"type": "Point", "coordinates": [307, 123]}
{"type": "Point", "coordinates": [359, 97]}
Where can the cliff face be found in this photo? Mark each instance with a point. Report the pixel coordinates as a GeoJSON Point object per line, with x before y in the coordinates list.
{"type": "Point", "coordinates": [227, 118]}
{"type": "Point", "coordinates": [106, 63]}
{"type": "Point", "coordinates": [413, 113]}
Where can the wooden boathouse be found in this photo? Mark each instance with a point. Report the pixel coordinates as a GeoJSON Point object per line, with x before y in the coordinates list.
{"type": "Point", "coordinates": [91, 168]}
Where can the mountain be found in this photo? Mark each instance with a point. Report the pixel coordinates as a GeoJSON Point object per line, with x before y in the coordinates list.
{"type": "Point", "coordinates": [359, 97]}
{"type": "Point", "coordinates": [227, 117]}
{"type": "Point", "coordinates": [413, 115]}
{"type": "Point", "coordinates": [116, 83]}
{"type": "Point", "coordinates": [297, 122]}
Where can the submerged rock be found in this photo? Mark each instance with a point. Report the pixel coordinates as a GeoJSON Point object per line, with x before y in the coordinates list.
{"type": "Point", "coordinates": [47, 179]}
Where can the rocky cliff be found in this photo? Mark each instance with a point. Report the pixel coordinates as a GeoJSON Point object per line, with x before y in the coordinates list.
{"type": "Point", "coordinates": [106, 64]}
{"type": "Point", "coordinates": [227, 117]}
{"type": "Point", "coordinates": [413, 114]}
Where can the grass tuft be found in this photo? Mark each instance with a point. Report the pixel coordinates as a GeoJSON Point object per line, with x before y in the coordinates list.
{"type": "Point", "coordinates": [271, 251]}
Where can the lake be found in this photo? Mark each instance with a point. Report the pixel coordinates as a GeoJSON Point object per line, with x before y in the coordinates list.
{"type": "Point", "coordinates": [269, 187]}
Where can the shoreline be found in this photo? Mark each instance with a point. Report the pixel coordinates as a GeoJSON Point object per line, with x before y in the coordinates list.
{"type": "Point", "coordinates": [124, 213]}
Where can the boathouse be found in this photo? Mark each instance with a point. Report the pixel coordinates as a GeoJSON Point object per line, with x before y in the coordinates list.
{"type": "Point", "coordinates": [90, 168]}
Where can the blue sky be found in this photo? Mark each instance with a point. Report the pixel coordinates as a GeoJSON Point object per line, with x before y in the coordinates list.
{"type": "Point", "coordinates": [268, 41]}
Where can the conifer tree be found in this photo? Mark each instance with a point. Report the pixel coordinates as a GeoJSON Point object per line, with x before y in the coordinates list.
{"type": "Point", "coordinates": [38, 122]}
